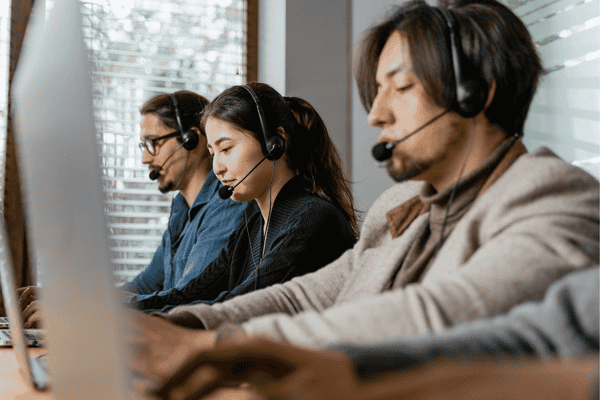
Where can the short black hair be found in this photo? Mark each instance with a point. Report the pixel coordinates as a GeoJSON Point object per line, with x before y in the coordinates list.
{"type": "Point", "coordinates": [495, 45]}
{"type": "Point", "coordinates": [190, 105]}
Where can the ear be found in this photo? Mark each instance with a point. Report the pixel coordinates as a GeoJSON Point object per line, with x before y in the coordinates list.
{"type": "Point", "coordinates": [197, 130]}
{"type": "Point", "coordinates": [201, 138]}
{"type": "Point", "coordinates": [281, 132]}
{"type": "Point", "coordinates": [491, 94]}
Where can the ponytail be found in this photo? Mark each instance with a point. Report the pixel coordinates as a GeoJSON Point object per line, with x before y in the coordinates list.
{"type": "Point", "coordinates": [314, 156]}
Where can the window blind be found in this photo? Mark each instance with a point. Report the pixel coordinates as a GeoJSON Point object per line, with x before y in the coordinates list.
{"type": "Point", "coordinates": [565, 113]}
{"type": "Point", "coordinates": [140, 48]}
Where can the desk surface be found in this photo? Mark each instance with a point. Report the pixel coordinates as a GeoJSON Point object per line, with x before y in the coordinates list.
{"type": "Point", "coordinates": [12, 383]}
{"type": "Point", "coordinates": [14, 386]}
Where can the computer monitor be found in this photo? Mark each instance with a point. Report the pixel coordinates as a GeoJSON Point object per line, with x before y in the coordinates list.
{"type": "Point", "coordinates": [59, 155]}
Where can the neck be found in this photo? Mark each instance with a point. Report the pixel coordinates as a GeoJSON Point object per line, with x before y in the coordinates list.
{"type": "Point", "coordinates": [193, 181]}
{"type": "Point", "coordinates": [480, 141]}
{"type": "Point", "coordinates": [280, 178]}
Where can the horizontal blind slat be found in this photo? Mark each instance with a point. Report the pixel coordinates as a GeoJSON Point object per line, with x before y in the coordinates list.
{"type": "Point", "coordinates": [572, 47]}
{"type": "Point", "coordinates": [138, 238]}
{"type": "Point", "coordinates": [564, 21]}
{"type": "Point", "coordinates": [138, 203]}
{"type": "Point", "coordinates": [539, 12]}
{"type": "Point", "coordinates": [532, 6]}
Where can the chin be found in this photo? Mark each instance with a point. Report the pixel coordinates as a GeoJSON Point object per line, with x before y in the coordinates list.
{"type": "Point", "coordinates": [239, 198]}
{"type": "Point", "coordinates": [166, 187]}
{"type": "Point", "coordinates": [401, 172]}
{"type": "Point", "coordinates": [240, 194]}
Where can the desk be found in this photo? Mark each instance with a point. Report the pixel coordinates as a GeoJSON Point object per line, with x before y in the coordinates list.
{"type": "Point", "coordinates": [14, 386]}
{"type": "Point", "coordinates": [12, 383]}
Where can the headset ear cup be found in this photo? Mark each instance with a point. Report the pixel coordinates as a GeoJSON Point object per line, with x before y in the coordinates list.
{"type": "Point", "coordinates": [276, 146]}
{"type": "Point", "coordinates": [470, 98]}
{"type": "Point", "coordinates": [189, 139]}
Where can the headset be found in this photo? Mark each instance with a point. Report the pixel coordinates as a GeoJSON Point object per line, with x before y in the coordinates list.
{"type": "Point", "coordinates": [274, 144]}
{"type": "Point", "coordinates": [470, 94]}
{"type": "Point", "coordinates": [188, 138]}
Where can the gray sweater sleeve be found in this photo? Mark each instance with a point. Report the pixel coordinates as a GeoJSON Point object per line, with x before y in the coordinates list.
{"type": "Point", "coordinates": [564, 324]}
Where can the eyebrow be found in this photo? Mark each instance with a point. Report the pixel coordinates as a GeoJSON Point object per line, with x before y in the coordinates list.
{"type": "Point", "coordinates": [218, 141]}
{"type": "Point", "coordinates": [394, 71]}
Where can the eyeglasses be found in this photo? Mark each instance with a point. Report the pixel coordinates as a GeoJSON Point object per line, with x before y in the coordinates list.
{"type": "Point", "coordinates": [150, 144]}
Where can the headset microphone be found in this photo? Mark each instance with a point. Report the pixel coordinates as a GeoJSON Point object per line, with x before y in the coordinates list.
{"type": "Point", "coordinates": [383, 151]}
{"type": "Point", "coordinates": [154, 174]}
{"type": "Point", "coordinates": [226, 191]}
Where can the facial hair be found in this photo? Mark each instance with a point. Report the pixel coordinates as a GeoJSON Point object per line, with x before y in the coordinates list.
{"type": "Point", "coordinates": [166, 187]}
{"type": "Point", "coordinates": [412, 168]}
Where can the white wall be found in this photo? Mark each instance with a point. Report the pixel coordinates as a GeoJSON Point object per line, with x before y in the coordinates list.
{"type": "Point", "coordinates": [304, 51]}
{"type": "Point", "coordinates": [369, 178]}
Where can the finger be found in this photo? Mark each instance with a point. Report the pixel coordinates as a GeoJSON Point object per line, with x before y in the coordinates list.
{"type": "Point", "coordinates": [233, 368]}
{"type": "Point", "coordinates": [26, 299]}
{"type": "Point", "coordinates": [27, 291]}
{"type": "Point", "coordinates": [200, 383]}
{"type": "Point", "coordinates": [22, 289]}
{"type": "Point", "coordinates": [30, 310]}
{"type": "Point", "coordinates": [302, 384]}
{"type": "Point", "coordinates": [34, 320]}
{"type": "Point", "coordinates": [255, 350]}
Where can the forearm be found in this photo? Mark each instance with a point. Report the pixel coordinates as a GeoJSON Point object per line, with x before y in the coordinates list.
{"type": "Point", "coordinates": [489, 380]}
{"type": "Point", "coordinates": [306, 292]}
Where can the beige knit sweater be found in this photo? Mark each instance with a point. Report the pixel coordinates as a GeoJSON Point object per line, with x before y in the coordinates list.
{"type": "Point", "coordinates": [535, 223]}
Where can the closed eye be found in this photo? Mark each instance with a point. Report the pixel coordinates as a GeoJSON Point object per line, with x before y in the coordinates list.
{"type": "Point", "coordinates": [405, 88]}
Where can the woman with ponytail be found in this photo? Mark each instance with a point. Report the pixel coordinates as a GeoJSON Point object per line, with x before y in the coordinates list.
{"type": "Point", "coordinates": [304, 216]}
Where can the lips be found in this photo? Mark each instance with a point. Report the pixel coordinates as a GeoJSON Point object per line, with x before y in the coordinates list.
{"type": "Point", "coordinates": [228, 182]}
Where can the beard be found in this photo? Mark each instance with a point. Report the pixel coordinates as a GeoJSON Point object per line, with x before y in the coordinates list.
{"type": "Point", "coordinates": [411, 168]}
{"type": "Point", "coordinates": [166, 187]}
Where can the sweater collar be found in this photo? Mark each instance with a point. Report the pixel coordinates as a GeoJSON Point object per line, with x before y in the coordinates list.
{"type": "Point", "coordinates": [285, 201]}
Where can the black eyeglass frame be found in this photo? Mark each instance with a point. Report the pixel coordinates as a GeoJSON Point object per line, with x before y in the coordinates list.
{"type": "Point", "coordinates": [149, 144]}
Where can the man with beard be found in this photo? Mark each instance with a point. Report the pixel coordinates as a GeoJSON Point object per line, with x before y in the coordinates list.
{"type": "Point", "coordinates": [476, 224]}
{"type": "Point", "coordinates": [200, 222]}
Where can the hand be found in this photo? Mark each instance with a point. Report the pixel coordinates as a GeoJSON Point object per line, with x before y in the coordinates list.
{"type": "Point", "coordinates": [32, 315]}
{"type": "Point", "coordinates": [30, 307]}
{"type": "Point", "coordinates": [159, 347]}
{"type": "Point", "coordinates": [284, 372]}
{"type": "Point", "coordinates": [276, 370]}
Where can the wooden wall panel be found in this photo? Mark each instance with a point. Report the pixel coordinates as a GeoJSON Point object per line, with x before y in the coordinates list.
{"type": "Point", "coordinates": [14, 214]}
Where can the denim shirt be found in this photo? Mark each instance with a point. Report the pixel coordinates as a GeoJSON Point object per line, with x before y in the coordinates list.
{"type": "Point", "coordinates": [193, 239]}
{"type": "Point", "coordinates": [305, 233]}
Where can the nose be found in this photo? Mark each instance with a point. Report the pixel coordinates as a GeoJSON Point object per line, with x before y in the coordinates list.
{"type": "Point", "coordinates": [218, 167]}
{"type": "Point", "coordinates": [146, 157]}
{"type": "Point", "coordinates": [381, 115]}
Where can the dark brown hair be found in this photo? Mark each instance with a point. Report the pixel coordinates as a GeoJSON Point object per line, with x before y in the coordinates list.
{"type": "Point", "coordinates": [190, 105]}
{"type": "Point", "coordinates": [309, 148]}
{"type": "Point", "coordinates": [496, 46]}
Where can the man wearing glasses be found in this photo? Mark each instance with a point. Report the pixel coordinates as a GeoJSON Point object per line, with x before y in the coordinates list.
{"type": "Point", "coordinates": [200, 222]}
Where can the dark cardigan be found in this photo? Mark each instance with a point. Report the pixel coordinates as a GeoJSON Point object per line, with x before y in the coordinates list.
{"type": "Point", "coordinates": [305, 233]}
